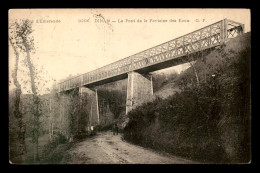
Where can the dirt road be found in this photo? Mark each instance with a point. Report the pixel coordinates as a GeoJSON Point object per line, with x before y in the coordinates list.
{"type": "Point", "coordinates": [104, 148]}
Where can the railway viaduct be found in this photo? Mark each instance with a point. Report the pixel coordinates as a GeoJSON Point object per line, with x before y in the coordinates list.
{"type": "Point", "coordinates": [137, 67]}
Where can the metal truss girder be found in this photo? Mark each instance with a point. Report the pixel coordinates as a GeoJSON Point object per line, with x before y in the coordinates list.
{"type": "Point", "coordinates": [204, 38]}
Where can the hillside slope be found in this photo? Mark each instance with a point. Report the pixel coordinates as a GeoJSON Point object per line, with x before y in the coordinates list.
{"type": "Point", "coordinates": [170, 87]}
{"type": "Point", "coordinates": [167, 90]}
{"type": "Point", "coordinates": [208, 118]}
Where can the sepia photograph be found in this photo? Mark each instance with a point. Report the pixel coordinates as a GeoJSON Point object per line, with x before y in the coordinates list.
{"type": "Point", "coordinates": [129, 86]}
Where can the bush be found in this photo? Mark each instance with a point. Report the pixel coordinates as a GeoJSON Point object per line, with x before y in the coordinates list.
{"type": "Point", "coordinates": [57, 154]}
{"type": "Point", "coordinates": [209, 122]}
{"type": "Point", "coordinates": [54, 151]}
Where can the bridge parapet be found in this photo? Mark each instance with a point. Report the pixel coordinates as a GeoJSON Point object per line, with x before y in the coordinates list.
{"type": "Point", "coordinates": [204, 38]}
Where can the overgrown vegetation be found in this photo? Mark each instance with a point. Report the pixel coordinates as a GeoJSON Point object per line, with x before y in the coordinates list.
{"type": "Point", "coordinates": [64, 127]}
{"type": "Point", "coordinates": [114, 99]}
{"type": "Point", "coordinates": [209, 122]}
{"type": "Point", "coordinates": [55, 151]}
{"type": "Point", "coordinates": [159, 80]}
{"type": "Point", "coordinates": [112, 104]}
{"type": "Point", "coordinates": [22, 42]}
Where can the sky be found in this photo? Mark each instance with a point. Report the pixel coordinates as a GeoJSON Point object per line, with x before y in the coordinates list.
{"type": "Point", "coordinates": [76, 41]}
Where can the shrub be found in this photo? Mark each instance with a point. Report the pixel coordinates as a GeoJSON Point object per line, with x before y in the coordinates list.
{"type": "Point", "coordinates": [209, 122]}
{"type": "Point", "coordinates": [53, 151]}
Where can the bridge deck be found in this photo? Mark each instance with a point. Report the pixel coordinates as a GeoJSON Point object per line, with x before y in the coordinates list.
{"type": "Point", "coordinates": [199, 40]}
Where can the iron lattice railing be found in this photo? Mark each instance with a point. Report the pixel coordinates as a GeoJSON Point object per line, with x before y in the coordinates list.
{"type": "Point", "coordinates": [204, 38]}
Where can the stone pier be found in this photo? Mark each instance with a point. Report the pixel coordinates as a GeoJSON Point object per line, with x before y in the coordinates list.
{"type": "Point", "coordinates": [139, 90]}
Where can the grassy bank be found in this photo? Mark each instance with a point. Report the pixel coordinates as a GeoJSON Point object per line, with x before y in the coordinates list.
{"type": "Point", "coordinates": [50, 152]}
{"type": "Point", "coordinates": [208, 120]}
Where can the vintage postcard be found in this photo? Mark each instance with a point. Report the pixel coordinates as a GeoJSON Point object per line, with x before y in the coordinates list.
{"type": "Point", "coordinates": [129, 86]}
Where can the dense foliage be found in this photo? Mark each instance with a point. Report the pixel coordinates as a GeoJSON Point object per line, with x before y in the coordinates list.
{"type": "Point", "coordinates": [209, 122]}
{"type": "Point", "coordinates": [115, 100]}
{"type": "Point", "coordinates": [55, 151]}
{"type": "Point", "coordinates": [160, 79]}
{"type": "Point", "coordinates": [22, 43]}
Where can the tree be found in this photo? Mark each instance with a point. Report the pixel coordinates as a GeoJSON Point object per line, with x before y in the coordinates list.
{"type": "Point", "coordinates": [22, 42]}
{"type": "Point", "coordinates": [17, 113]}
{"type": "Point", "coordinates": [115, 100]}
